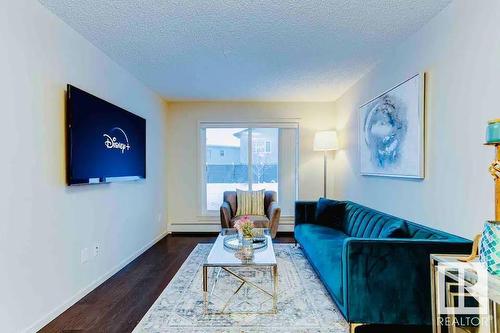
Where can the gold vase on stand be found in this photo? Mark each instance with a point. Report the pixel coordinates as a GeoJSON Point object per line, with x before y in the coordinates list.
{"type": "Point", "coordinates": [487, 244]}
{"type": "Point", "coordinates": [489, 249]}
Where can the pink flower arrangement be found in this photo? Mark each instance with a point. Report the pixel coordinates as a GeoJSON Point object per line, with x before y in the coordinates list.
{"type": "Point", "coordinates": [244, 226]}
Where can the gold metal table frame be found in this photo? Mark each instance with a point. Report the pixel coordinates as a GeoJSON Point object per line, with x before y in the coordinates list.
{"type": "Point", "coordinates": [228, 261]}
{"type": "Point", "coordinates": [273, 295]}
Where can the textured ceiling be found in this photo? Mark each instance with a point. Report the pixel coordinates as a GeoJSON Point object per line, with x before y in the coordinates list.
{"type": "Point", "coordinates": [246, 50]}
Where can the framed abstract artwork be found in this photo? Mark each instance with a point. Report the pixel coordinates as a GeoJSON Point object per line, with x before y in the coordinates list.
{"type": "Point", "coordinates": [391, 131]}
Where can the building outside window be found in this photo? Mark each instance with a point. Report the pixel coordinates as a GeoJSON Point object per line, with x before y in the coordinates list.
{"type": "Point", "coordinates": [261, 156]}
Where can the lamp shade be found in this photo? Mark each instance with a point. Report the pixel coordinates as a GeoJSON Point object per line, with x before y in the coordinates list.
{"type": "Point", "coordinates": [326, 140]}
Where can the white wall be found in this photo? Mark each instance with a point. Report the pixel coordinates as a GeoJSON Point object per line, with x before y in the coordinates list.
{"type": "Point", "coordinates": [183, 163]}
{"type": "Point", "coordinates": [459, 50]}
{"type": "Point", "coordinates": [43, 223]}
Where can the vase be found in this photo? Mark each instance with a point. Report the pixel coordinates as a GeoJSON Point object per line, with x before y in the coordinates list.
{"type": "Point", "coordinates": [247, 246]}
{"type": "Point", "coordinates": [489, 249]}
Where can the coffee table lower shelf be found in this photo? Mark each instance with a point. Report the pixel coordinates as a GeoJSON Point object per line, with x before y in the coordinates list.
{"type": "Point", "coordinates": [273, 295]}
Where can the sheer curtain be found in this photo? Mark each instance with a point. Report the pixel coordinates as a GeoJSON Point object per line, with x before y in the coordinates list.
{"type": "Point", "coordinates": [288, 175]}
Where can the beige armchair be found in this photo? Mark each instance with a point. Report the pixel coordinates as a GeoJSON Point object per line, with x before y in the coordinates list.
{"type": "Point", "coordinates": [270, 220]}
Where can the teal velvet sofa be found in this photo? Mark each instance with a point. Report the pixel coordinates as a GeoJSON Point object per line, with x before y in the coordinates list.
{"type": "Point", "coordinates": [372, 277]}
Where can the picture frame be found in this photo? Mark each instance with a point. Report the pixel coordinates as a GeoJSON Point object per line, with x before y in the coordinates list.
{"type": "Point", "coordinates": [391, 131]}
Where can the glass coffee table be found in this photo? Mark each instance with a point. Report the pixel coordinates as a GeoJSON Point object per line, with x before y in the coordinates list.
{"type": "Point", "coordinates": [222, 258]}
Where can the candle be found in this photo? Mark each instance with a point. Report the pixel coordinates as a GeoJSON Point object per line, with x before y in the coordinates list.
{"type": "Point", "coordinates": [493, 131]}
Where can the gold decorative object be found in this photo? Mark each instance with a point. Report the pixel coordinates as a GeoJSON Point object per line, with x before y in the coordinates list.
{"type": "Point", "coordinates": [495, 172]}
{"type": "Point", "coordinates": [475, 247]}
{"type": "Point", "coordinates": [494, 169]}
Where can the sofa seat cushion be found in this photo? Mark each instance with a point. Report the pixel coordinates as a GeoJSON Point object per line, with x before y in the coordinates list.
{"type": "Point", "coordinates": [315, 232]}
{"type": "Point", "coordinates": [260, 221]}
{"type": "Point", "coordinates": [323, 246]}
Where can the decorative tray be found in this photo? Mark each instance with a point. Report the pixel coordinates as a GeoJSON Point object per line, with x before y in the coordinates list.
{"type": "Point", "coordinates": [232, 242]}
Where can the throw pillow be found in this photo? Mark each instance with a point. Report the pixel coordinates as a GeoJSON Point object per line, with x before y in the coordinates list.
{"type": "Point", "coordinates": [397, 229]}
{"type": "Point", "coordinates": [250, 202]}
{"type": "Point", "coordinates": [330, 212]}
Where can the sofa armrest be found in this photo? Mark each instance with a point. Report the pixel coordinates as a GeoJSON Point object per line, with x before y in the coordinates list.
{"type": "Point", "coordinates": [305, 212]}
{"type": "Point", "coordinates": [274, 213]}
{"type": "Point", "coordinates": [387, 281]}
{"type": "Point", "coordinates": [225, 215]}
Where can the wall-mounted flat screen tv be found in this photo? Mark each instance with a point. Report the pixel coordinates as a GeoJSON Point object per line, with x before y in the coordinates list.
{"type": "Point", "coordinates": [105, 143]}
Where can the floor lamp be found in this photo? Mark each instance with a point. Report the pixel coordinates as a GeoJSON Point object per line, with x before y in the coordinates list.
{"type": "Point", "coordinates": [325, 141]}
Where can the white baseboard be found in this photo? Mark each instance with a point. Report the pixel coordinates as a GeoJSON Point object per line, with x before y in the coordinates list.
{"type": "Point", "coordinates": [194, 227]}
{"type": "Point", "coordinates": [80, 294]}
{"type": "Point", "coordinates": [212, 227]}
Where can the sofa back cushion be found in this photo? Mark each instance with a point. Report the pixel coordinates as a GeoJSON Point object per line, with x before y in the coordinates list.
{"type": "Point", "coordinates": [421, 232]}
{"type": "Point", "coordinates": [364, 222]}
{"type": "Point", "coordinates": [330, 213]}
{"type": "Point", "coordinates": [394, 229]}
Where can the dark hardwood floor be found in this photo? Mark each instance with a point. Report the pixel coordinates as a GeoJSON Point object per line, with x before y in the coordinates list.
{"type": "Point", "coordinates": [119, 303]}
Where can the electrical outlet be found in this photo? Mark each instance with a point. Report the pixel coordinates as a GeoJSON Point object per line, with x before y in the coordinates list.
{"type": "Point", "coordinates": [96, 250]}
{"type": "Point", "coordinates": [84, 255]}
{"type": "Point", "coordinates": [159, 217]}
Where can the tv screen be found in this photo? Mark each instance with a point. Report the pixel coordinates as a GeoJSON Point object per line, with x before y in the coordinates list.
{"type": "Point", "coordinates": [105, 143]}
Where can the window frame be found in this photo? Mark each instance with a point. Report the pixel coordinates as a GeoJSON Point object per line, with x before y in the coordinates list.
{"type": "Point", "coordinates": [202, 151]}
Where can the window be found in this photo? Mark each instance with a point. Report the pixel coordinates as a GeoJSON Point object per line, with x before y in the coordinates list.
{"type": "Point", "coordinates": [268, 146]}
{"type": "Point", "coordinates": [252, 157]}
{"type": "Point", "coordinates": [261, 146]}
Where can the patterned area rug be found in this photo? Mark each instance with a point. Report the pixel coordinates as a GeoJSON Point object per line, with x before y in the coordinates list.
{"type": "Point", "coordinates": [303, 303]}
